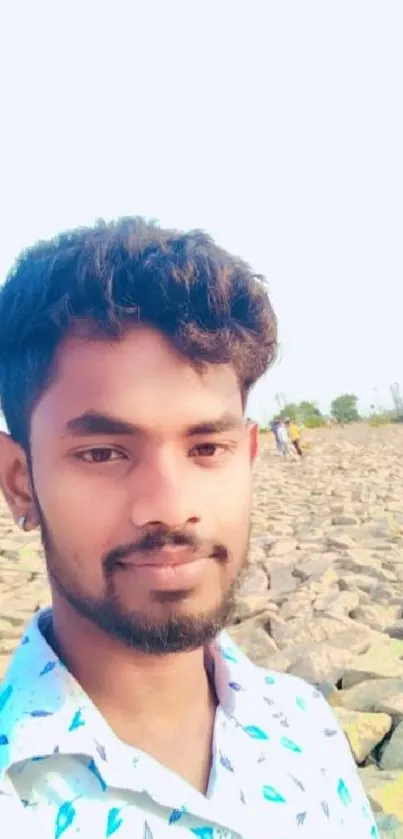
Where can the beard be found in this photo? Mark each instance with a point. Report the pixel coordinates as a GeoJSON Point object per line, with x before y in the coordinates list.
{"type": "Point", "coordinates": [175, 632]}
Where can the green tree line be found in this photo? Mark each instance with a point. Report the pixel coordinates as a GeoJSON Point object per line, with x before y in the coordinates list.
{"type": "Point", "coordinates": [342, 410]}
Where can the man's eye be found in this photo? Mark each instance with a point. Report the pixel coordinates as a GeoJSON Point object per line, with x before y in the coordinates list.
{"type": "Point", "coordinates": [207, 450]}
{"type": "Point", "coordinates": [100, 455]}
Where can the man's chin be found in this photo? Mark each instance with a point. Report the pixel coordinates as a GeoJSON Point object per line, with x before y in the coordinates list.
{"type": "Point", "coordinates": [167, 627]}
{"type": "Point", "coordinates": [160, 623]}
{"type": "Point", "coordinates": [176, 633]}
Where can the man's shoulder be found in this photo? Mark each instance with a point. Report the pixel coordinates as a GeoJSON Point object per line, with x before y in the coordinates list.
{"type": "Point", "coordinates": [288, 689]}
{"type": "Point", "coordinates": [299, 701]}
{"type": "Point", "coordinates": [284, 690]}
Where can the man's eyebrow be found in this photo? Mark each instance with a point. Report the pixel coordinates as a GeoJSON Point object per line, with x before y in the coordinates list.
{"type": "Point", "coordinates": [93, 422]}
{"type": "Point", "coordinates": [227, 422]}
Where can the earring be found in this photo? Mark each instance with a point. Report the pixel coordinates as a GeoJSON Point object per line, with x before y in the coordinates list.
{"type": "Point", "coordinates": [22, 522]}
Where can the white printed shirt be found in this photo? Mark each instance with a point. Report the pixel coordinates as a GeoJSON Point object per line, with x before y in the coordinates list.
{"type": "Point", "coordinates": [281, 767]}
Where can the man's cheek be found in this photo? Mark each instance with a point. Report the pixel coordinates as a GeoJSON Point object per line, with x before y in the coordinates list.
{"type": "Point", "coordinates": [233, 514]}
{"type": "Point", "coordinates": [69, 499]}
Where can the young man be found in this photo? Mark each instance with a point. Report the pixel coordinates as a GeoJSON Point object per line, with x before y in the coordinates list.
{"type": "Point", "coordinates": [281, 436]}
{"type": "Point", "coordinates": [126, 356]}
{"type": "Point", "coordinates": [294, 434]}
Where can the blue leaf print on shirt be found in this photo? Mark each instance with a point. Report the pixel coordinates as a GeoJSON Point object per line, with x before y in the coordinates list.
{"type": "Point", "coordinates": [114, 821]}
{"type": "Point", "coordinates": [228, 654]}
{"type": "Point", "coordinates": [95, 771]}
{"type": "Point", "coordinates": [77, 721]}
{"type": "Point", "coordinates": [5, 696]}
{"type": "Point", "coordinates": [270, 680]}
{"type": "Point", "coordinates": [289, 744]}
{"type": "Point", "coordinates": [272, 794]}
{"type": "Point", "coordinates": [225, 761]}
{"type": "Point", "coordinates": [176, 815]}
{"type": "Point", "coordinates": [301, 703]}
{"type": "Point", "coordinates": [25, 640]}
{"type": "Point", "coordinates": [48, 668]}
{"type": "Point", "coordinates": [255, 732]}
{"type": "Point", "coordinates": [204, 832]}
{"type": "Point", "coordinates": [65, 817]}
{"type": "Point", "coordinates": [374, 832]}
{"type": "Point", "coordinates": [147, 832]}
{"type": "Point", "coordinates": [235, 686]}
{"type": "Point", "coordinates": [3, 740]}
{"type": "Point", "coordinates": [343, 792]}
{"type": "Point", "coordinates": [40, 713]}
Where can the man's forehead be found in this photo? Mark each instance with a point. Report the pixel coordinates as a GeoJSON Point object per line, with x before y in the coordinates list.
{"type": "Point", "coordinates": [140, 381]}
{"type": "Point", "coordinates": [140, 353]}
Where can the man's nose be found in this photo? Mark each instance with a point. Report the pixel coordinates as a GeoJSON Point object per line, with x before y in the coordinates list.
{"type": "Point", "coordinates": [162, 497]}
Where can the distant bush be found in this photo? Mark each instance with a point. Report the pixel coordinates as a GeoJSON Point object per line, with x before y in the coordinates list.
{"type": "Point", "coordinates": [344, 408]}
{"type": "Point", "coordinates": [398, 418]}
{"type": "Point", "coordinates": [303, 413]}
{"type": "Point", "coordinates": [314, 422]}
{"type": "Point", "coordinates": [376, 420]}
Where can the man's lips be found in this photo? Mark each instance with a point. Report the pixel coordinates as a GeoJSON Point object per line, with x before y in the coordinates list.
{"type": "Point", "coordinates": [168, 556]}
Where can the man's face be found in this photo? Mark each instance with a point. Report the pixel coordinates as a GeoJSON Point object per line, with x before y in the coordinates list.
{"type": "Point", "coordinates": [141, 468]}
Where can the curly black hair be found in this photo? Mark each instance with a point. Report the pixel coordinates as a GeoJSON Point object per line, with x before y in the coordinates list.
{"type": "Point", "coordinates": [109, 277]}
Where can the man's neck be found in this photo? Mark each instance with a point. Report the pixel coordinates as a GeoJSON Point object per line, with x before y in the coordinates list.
{"type": "Point", "coordinates": [146, 699]}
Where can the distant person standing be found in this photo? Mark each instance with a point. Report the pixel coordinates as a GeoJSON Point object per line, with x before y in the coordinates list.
{"type": "Point", "coordinates": [281, 436]}
{"type": "Point", "coordinates": [294, 434]}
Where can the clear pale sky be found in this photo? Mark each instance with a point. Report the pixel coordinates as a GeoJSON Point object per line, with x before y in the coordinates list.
{"type": "Point", "coordinates": [276, 126]}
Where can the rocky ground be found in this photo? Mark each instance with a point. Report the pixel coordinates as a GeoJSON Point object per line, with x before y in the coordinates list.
{"type": "Point", "coordinates": [322, 597]}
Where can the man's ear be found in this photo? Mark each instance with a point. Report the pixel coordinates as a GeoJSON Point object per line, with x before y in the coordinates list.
{"type": "Point", "coordinates": [253, 436]}
{"type": "Point", "coordinates": [15, 481]}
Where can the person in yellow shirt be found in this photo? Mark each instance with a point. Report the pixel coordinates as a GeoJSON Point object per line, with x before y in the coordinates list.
{"type": "Point", "coordinates": [294, 433]}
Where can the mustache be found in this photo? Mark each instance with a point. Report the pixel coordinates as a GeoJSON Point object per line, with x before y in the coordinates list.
{"type": "Point", "coordinates": [157, 540]}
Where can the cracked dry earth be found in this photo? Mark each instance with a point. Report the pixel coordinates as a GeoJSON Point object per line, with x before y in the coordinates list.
{"type": "Point", "coordinates": [323, 594]}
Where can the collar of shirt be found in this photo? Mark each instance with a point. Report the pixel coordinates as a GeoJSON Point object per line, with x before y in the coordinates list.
{"type": "Point", "coordinates": [44, 711]}
{"type": "Point", "coordinates": [277, 747]}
